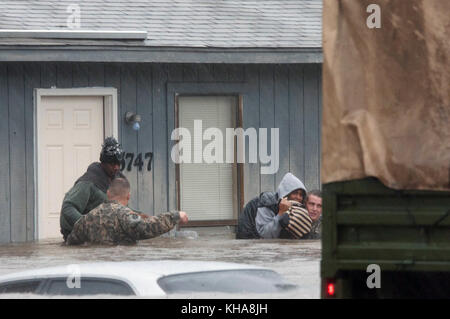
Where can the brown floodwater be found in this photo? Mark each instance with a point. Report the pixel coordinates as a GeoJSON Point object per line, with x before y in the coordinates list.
{"type": "Point", "coordinates": [297, 260]}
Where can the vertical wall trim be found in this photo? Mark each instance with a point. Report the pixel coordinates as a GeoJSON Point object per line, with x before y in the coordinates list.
{"type": "Point", "coordinates": [17, 150]}
{"type": "Point", "coordinates": [32, 81]}
{"type": "Point", "coordinates": [9, 154]}
{"type": "Point", "coordinates": [303, 128]}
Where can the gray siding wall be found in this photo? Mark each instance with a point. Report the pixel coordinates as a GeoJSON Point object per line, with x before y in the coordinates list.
{"type": "Point", "coordinates": [283, 96]}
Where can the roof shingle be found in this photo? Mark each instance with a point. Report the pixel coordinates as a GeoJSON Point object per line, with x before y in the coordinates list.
{"type": "Point", "coordinates": [181, 23]}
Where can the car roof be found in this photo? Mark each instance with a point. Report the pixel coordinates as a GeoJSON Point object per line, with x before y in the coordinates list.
{"type": "Point", "coordinates": [142, 276]}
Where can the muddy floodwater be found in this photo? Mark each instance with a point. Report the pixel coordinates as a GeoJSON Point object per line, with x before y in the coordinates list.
{"type": "Point", "coordinates": [297, 260]}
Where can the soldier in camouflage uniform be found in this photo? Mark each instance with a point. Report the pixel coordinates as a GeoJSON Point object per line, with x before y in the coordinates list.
{"type": "Point", "coordinates": [113, 223]}
{"type": "Point", "coordinates": [314, 207]}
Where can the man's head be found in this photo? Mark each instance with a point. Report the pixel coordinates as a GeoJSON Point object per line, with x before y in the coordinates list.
{"type": "Point", "coordinates": [110, 156]}
{"type": "Point", "coordinates": [292, 188]}
{"type": "Point", "coordinates": [314, 204]}
{"type": "Point", "coordinates": [119, 190]}
{"type": "Point", "coordinates": [297, 195]}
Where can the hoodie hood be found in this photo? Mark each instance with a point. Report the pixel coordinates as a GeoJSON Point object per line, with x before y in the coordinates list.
{"type": "Point", "coordinates": [288, 184]}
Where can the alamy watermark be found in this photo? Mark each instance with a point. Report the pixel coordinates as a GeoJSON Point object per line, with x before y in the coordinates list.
{"type": "Point", "coordinates": [374, 279]}
{"type": "Point", "coordinates": [221, 148]}
{"type": "Point", "coordinates": [73, 21]}
{"type": "Point", "coordinates": [74, 277]}
{"type": "Point", "coordinates": [374, 19]}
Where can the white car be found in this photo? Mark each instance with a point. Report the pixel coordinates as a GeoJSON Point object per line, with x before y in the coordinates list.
{"type": "Point", "coordinates": [144, 278]}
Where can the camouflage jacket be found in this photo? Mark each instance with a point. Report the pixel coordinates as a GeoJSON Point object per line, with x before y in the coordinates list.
{"type": "Point", "coordinates": [316, 230]}
{"type": "Point", "coordinates": [112, 223]}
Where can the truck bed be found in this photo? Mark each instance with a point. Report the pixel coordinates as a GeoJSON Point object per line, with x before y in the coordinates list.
{"type": "Point", "coordinates": [406, 233]}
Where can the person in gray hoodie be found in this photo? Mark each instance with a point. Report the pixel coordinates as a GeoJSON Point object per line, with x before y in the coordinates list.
{"type": "Point", "coordinates": [270, 224]}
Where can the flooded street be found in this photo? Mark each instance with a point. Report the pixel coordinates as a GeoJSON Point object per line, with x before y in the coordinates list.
{"type": "Point", "coordinates": [298, 261]}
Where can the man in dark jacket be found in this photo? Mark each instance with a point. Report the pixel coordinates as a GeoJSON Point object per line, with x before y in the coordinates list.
{"type": "Point", "coordinates": [269, 224]}
{"type": "Point", "coordinates": [246, 228]}
{"type": "Point", "coordinates": [90, 189]}
{"type": "Point", "coordinates": [264, 216]}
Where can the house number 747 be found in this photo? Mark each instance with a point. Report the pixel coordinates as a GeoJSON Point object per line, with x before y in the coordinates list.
{"type": "Point", "coordinates": [131, 159]}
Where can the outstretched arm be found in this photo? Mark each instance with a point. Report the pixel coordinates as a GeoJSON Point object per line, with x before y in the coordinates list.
{"type": "Point", "coordinates": [141, 226]}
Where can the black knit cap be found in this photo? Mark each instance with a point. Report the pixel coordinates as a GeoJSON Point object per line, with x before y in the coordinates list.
{"type": "Point", "coordinates": [111, 151]}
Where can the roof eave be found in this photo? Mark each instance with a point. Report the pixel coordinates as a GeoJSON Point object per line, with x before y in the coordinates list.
{"type": "Point", "coordinates": [61, 53]}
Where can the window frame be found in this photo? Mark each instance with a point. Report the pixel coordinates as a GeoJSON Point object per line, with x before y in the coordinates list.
{"type": "Point", "coordinates": [241, 90]}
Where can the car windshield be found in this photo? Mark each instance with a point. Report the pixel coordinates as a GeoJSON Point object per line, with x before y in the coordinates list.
{"type": "Point", "coordinates": [227, 281]}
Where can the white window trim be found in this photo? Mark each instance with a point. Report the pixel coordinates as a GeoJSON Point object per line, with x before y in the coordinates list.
{"type": "Point", "coordinates": [111, 128]}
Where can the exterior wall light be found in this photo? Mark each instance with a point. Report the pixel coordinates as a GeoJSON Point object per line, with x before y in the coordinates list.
{"type": "Point", "coordinates": [133, 119]}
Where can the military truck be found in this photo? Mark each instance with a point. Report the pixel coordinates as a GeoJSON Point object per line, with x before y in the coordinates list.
{"type": "Point", "coordinates": [386, 150]}
{"type": "Point", "coordinates": [405, 233]}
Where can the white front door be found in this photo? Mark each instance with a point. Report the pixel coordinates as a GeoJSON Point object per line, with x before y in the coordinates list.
{"type": "Point", "coordinates": [70, 135]}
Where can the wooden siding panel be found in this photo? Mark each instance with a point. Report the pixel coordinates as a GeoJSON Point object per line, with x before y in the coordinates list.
{"type": "Point", "coordinates": [251, 119]}
{"type": "Point", "coordinates": [64, 75]}
{"type": "Point", "coordinates": [80, 75]}
{"type": "Point", "coordinates": [112, 80]}
{"type": "Point", "coordinates": [267, 121]}
{"type": "Point", "coordinates": [236, 73]}
{"type": "Point", "coordinates": [16, 101]}
{"type": "Point", "coordinates": [129, 136]}
{"type": "Point", "coordinates": [311, 121]}
{"type": "Point", "coordinates": [205, 73]}
{"type": "Point", "coordinates": [282, 119]}
{"type": "Point", "coordinates": [145, 137]}
{"type": "Point", "coordinates": [220, 72]}
{"type": "Point", "coordinates": [5, 199]}
{"type": "Point", "coordinates": [32, 82]}
{"type": "Point", "coordinates": [175, 72]}
{"type": "Point", "coordinates": [160, 139]}
{"type": "Point", "coordinates": [190, 73]}
{"type": "Point", "coordinates": [97, 74]}
{"type": "Point", "coordinates": [296, 124]}
{"type": "Point", "coordinates": [48, 75]}
{"type": "Point", "coordinates": [320, 124]}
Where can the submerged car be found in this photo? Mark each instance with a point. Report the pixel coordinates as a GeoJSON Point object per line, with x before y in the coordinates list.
{"type": "Point", "coordinates": [145, 278]}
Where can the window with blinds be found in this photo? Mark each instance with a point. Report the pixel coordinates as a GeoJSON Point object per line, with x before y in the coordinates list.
{"type": "Point", "coordinates": [208, 191]}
